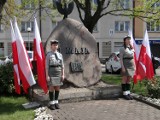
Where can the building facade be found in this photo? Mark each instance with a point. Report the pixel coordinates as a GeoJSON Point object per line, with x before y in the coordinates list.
{"type": "Point", "coordinates": [153, 32]}
{"type": "Point", "coordinates": [108, 32]}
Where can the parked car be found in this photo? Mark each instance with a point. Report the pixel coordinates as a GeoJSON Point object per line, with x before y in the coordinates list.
{"type": "Point", "coordinates": [10, 57]}
{"type": "Point", "coordinates": [113, 63]}
{"type": "Point", "coordinates": [1, 62]}
{"type": "Point", "coordinates": [30, 54]}
{"type": "Point", "coordinates": [156, 62]}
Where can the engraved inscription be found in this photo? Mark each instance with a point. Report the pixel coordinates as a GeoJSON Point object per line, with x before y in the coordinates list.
{"type": "Point", "coordinates": [77, 51]}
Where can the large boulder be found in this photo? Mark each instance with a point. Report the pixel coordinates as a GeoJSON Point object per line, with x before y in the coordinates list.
{"type": "Point", "coordinates": [79, 50]}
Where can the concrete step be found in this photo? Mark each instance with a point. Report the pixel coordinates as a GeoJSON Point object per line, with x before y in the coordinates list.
{"type": "Point", "coordinates": [98, 91]}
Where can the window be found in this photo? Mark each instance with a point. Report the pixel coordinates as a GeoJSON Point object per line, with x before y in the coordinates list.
{"type": "Point", "coordinates": [95, 2]}
{"type": "Point", "coordinates": [28, 4]}
{"type": "Point", "coordinates": [122, 26]}
{"type": "Point", "coordinates": [155, 5]}
{"type": "Point", "coordinates": [1, 49]}
{"type": "Point", "coordinates": [123, 4]}
{"type": "Point", "coordinates": [1, 28]}
{"type": "Point", "coordinates": [25, 25]}
{"type": "Point", "coordinates": [1, 45]}
{"type": "Point", "coordinates": [153, 27]}
{"type": "Point", "coordinates": [106, 48]}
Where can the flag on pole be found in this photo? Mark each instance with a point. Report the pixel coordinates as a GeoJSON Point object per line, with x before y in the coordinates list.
{"type": "Point", "coordinates": [141, 74]}
{"type": "Point", "coordinates": [15, 61]}
{"type": "Point", "coordinates": [24, 67]}
{"type": "Point", "coordinates": [39, 56]}
{"type": "Point", "coordinates": [145, 57]}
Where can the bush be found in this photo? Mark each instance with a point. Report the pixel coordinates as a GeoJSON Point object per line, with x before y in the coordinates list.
{"type": "Point", "coordinates": [6, 78]}
{"type": "Point", "coordinates": [153, 87]}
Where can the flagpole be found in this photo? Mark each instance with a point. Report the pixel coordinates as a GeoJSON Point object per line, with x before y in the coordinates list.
{"type": "Point", "coordinates": [24, 67]}
{"type": "Point", "coordinates": [31, 93]}
{"type": "Point", "coordinates": [28, 30]}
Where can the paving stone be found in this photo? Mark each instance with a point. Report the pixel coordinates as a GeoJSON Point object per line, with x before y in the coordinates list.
{"type": "Point", "coordinates": [116, 109]}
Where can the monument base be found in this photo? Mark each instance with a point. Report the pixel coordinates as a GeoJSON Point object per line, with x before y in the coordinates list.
{"type": "Point", "coordinates": [99, 91]}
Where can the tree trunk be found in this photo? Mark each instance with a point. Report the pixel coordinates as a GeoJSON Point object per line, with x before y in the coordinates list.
{"type": "Point", "coordinates": [89, 20]}
{"type": "Point", "coordinates": [90, 23]}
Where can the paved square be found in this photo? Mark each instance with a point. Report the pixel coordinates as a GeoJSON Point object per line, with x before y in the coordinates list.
{"type": "Point", "coordinates": [118, 109]}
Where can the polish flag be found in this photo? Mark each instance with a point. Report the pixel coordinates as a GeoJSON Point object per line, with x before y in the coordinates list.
{"type": "Point", "coordinates": [15, 61]}
{"type": "Point", "coordinates": [138, 75]}
{"type": "Point", "coordinates": [24, 67]}
{"type": "Point", "coordinates": [39, 56]}
{"type": "Point", "coordinates": [145, 57]}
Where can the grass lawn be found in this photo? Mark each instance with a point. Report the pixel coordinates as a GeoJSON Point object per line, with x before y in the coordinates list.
{"type": "Point", "coordinates": [138, 88]}
{"type": "Point", "coordinates": [112, 79]}
{"type": "Point", "coordinates": [11, 109]}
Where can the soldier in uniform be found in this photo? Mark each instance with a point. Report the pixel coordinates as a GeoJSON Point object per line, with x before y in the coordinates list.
{"type": "Point", "coordinates": [128, 66]}
{"type": "Point", "coordinates": [54, 74]}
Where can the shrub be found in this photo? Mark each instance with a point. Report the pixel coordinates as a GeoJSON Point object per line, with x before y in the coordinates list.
{"type": "Point", "coordinates": [6, 78]}
{"type": "Point", "coordinates": [153, 87]}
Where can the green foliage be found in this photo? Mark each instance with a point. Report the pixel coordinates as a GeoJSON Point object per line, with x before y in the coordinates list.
{"type": "Point", "coordinates": [27, 9]}
{"type": "Point", "coordinates": [6, 78]}
{"type": "Point", "coordinates": [89, 12]}
{"type": "Point", "coordinates": [12, 109]}
{"type": "Point", "coordinates": [153, 87]}
{"type": "Point", "coordinates": [112, 79]}
{"type": "Point", "coordinates": [148, 10]}
{"type": "Point", "coordinates": [140, 88]}
{"type": "Point", "coordinates": [150, 88]}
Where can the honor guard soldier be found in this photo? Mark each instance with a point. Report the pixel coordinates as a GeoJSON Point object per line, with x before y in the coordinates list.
{"type": "Point", "coordinates": [54, 74]}
{"type": "Point", "coordinates": [128, 66]}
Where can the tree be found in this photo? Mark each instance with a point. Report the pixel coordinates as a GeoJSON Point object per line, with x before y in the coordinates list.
{"type": "Point", "coordinates": [28, 9]}
{"type": "Point", "coordinates": [90, 12]}
{"type": "Point", "coordinates": [2, 2]}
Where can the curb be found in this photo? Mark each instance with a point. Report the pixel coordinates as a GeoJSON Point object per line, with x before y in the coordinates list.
{"type": "Point", "coordinates": [141, 99]}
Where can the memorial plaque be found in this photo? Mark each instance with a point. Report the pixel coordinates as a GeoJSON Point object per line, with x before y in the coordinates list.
{"type": "Point", "coordinates": [76, 66]}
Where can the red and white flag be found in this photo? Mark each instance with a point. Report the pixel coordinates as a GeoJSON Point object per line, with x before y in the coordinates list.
{"type": "Point", "coordinates": [24, 67]}
{"type": "Point", "coordinates": [15, 61]}
{"type": "Point", "coordinates": [139, 75]}
{"type": "Point", "coordinates": [39, 56]}
{"type": "Point", "coordinates": [145, 57]}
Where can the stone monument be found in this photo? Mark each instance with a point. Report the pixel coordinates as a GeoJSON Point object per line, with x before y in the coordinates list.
{"type": "Point", "coordinates": [81, 62]}
{"type": "Point", "coordinates": [79, 50]}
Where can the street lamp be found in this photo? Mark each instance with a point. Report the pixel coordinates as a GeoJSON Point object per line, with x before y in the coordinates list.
{"type": "Point", "coordinates": [28, 30]}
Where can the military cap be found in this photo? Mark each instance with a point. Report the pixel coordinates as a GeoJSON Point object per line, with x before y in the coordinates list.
{"type": "Point", "coordinates": [126, 37]}
{"type": "Point", "coordinates": [54, 42]}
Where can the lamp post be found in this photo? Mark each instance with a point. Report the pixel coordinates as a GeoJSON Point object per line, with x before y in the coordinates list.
{"type": "Point", "coordinates": [28, 30]}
